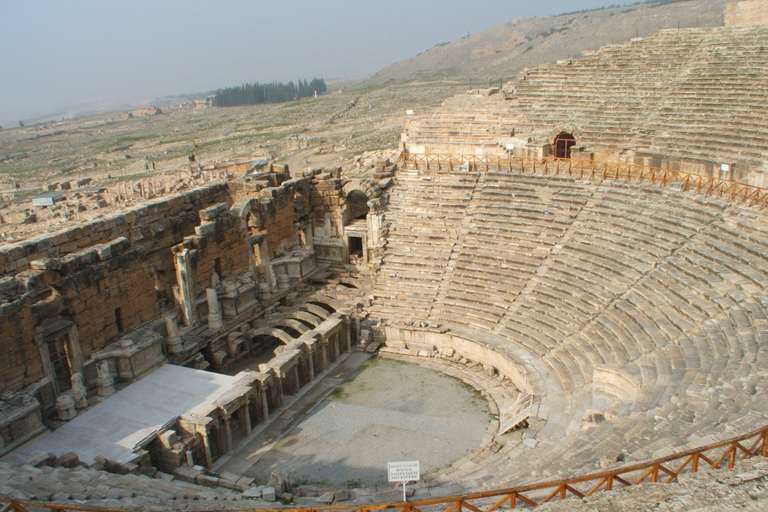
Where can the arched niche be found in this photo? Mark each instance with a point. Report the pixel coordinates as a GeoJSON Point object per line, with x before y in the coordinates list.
{"type": "Point", "coordinates": [562, 145]}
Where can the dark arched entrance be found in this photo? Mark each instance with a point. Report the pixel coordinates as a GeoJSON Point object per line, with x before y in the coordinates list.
{"type": "Point", "coordinates": [357, 205]}
{"type": "Point", "coordinates": [563, 143]}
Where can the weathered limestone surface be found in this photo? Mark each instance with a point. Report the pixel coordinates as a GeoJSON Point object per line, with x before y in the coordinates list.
{"type": "Point", "coordinates": [181, 279]}
{"type": "Point", "coordinates": [750, 12]}
{"type": "Point", "coordinates": [691, 99]}
{"type": "Point", "coordinates": [635, 315]}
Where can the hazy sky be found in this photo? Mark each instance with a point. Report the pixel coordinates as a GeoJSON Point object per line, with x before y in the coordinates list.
{"type": "Point", "coordinates": [56, 54]}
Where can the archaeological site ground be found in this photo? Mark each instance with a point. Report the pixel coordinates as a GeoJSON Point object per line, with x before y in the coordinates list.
{"type": "Point", "coordinates": [546, 291]}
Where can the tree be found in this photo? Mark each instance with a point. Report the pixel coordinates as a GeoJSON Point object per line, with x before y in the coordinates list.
{"type": "Point", "coordinates": [276, 92]}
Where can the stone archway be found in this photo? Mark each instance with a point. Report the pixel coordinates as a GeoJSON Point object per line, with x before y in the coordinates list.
{"type": "Point", "coordinates": [357, 205]}
{"type": "Point", "coordinates": [562, 145]}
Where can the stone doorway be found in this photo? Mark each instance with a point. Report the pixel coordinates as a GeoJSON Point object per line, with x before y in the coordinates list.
{"type": "Point", "coordinates": [356, 246]}
{"type": "Point", "coordinates": [60, 354]}
{"type": "Point", "coordinates": [57, 353]}
{"type": "Point", "coordinates": [563, 144]}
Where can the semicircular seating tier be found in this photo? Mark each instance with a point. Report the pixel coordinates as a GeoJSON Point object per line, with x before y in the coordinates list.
{"type": "Point", "coordinates": [699, 93]}
{"type": "Point", "coordinates": [639, 314]}
{"type": "Point", "coordinates": [691, 95]}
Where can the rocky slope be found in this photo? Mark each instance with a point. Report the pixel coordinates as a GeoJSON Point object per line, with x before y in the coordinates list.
{"type": "Point", "coordinates": [502, 51]}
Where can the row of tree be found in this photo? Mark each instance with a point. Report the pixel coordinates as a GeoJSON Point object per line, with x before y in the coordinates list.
{"type": "Point", "coordinates": [253, 94]}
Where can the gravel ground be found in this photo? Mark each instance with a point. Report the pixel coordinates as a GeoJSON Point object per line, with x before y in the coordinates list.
{"type": "Point", "coordinates": [389, 411]}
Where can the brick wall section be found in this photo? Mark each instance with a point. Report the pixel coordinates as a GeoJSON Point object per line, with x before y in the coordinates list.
{"type": "Point", "coordinates": [273, 210]}
{"type": "Point", "coordinates": [326, 196]}
{"type": "Point", "coordinates": [220, 236]}
{"type": "Point", "coordinates": [85, 287]}
{"type": "Point", "coordinates": [132, 223]}
{"type": "Point", "coordinates": [19, 356]}
{"type": "Point", "coordinates": [98, 281]}
{"type": "Point", "coordinates": [125, 261]}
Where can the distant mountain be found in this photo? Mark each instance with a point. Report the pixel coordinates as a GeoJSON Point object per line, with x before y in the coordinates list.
{"type": "Point", "coordinates": [507, 48]}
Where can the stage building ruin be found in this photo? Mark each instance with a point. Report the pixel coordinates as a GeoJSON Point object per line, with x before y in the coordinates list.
{"type": "Point", "coordinates": [193, 279]}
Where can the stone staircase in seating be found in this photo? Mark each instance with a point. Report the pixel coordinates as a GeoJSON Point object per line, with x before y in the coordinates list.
{"type": "Point", "coordinates": [640, 313]}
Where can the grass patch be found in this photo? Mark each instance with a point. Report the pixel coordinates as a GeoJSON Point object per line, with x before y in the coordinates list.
{"type": "Point", "coordinates": [306, 481]}
{"type": "Point", "coordinates": [338, 394]}
{"type": "Point", "coordinates": [136, 138]}
{"type": "Point", "coordinates": [353, 484]}
{"type": "Point", "coordinates": [174, 141]}
{"type": "Point", "coordinates": [259, 127]}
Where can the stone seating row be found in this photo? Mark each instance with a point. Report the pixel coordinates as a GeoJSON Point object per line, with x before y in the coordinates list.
{"type": "Point", "coordinates": [640, 80]}
{"type": "Point", "coordinates": [678, 303]}
{"type": "Point", "coordinates": [102, 489]}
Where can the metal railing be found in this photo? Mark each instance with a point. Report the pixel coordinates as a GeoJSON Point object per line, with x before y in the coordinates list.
{"type": "Point", "coordinates": [582, 169]}
{"type": "Point", "coordinates": [665, 470]}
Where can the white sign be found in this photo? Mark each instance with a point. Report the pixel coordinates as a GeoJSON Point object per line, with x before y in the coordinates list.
{"type": "Point", "coordinates": [510, 147]}
{"type": "Point", "coordinates": [403, 471]}
{"type": "Point", "coordinates": [409, 112]}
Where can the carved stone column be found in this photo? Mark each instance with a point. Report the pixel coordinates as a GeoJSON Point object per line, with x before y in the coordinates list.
{"type": "Point", "coordinates": [264, 403]}
{"type": "Point", "coordinates": [311, 357]}
{"type": "Point", "coordinates": [184, 285]}
{"type": "Point", "coordinates": [173, 343]}
{"type": "Point", "coordinates": [207, 444]}
{"type": "Point", "coordinates": [247, 417]}
{"type": "Point", "coordinates": [346, 325]}
{"type": "Point", "coordinates": [335, 345]}
{"type": "Point", "coordinates": [215, 322]}
{"type": "Point", "coordinates": [227, 433]}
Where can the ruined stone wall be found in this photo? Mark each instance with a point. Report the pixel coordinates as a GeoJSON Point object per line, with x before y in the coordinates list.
{"type": "Point", "coordinates": [20, 362]}
{"type": "Point", "coordinates": [327, 203]}
{"type": "Point", "coordinates": [139, 224]}
{"type": "Point", "coordinates": [87, 288]}
{"type": "Point", "coordinates": [220, 245]}
{"type": "Point", "coordinates": [84, 274]}
{"type": "Point", "coordinates": [114, 275]}
{"type": "Point", "coordinates": [752, 12]}
{"type": "Point", "coordinates": [326, 197]}
{"type": "Point", "coordinates": [278, 220]}
{"type": "Point", "coordinates": [271, 211]}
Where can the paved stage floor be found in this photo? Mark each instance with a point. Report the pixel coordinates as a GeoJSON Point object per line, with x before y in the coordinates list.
{"type": "Point", "coordinates": [115, 426]}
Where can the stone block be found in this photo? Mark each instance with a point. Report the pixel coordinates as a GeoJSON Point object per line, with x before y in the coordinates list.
{"type": "Point", "coordinates": [168, 439]}
{"type": "Point", "coordinates": [69, 460]}
{"type": "Point", "coordinates": [226, 483]}
{"type": "Point", "coordinates": [187, 474]}
{"type": "Point", "coordinates": [280, 481]}
{"type": "Point", "coordinates": [268, 494]}
{"type": "Point", "coordinates": [207, 480]}
{"type": "Point", "coordinates": [37, 459]}
{"type": "Point", "coordinates": [326, 498]}
{"type": "Point", "coordinates": [253, 493]}
{"type": "Point", "coordinates": [342, 495]}
{"type": "Point", "coordinates": [205, 229]}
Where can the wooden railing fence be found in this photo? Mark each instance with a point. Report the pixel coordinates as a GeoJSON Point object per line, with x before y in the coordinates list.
{"type": "Point", "coordinates": [666, 470]}
{"type": "Point", "coordinates": [583, 169]}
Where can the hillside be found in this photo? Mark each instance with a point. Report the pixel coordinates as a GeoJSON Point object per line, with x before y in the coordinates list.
{"type": "Point", "coordinates": [507, 48]}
